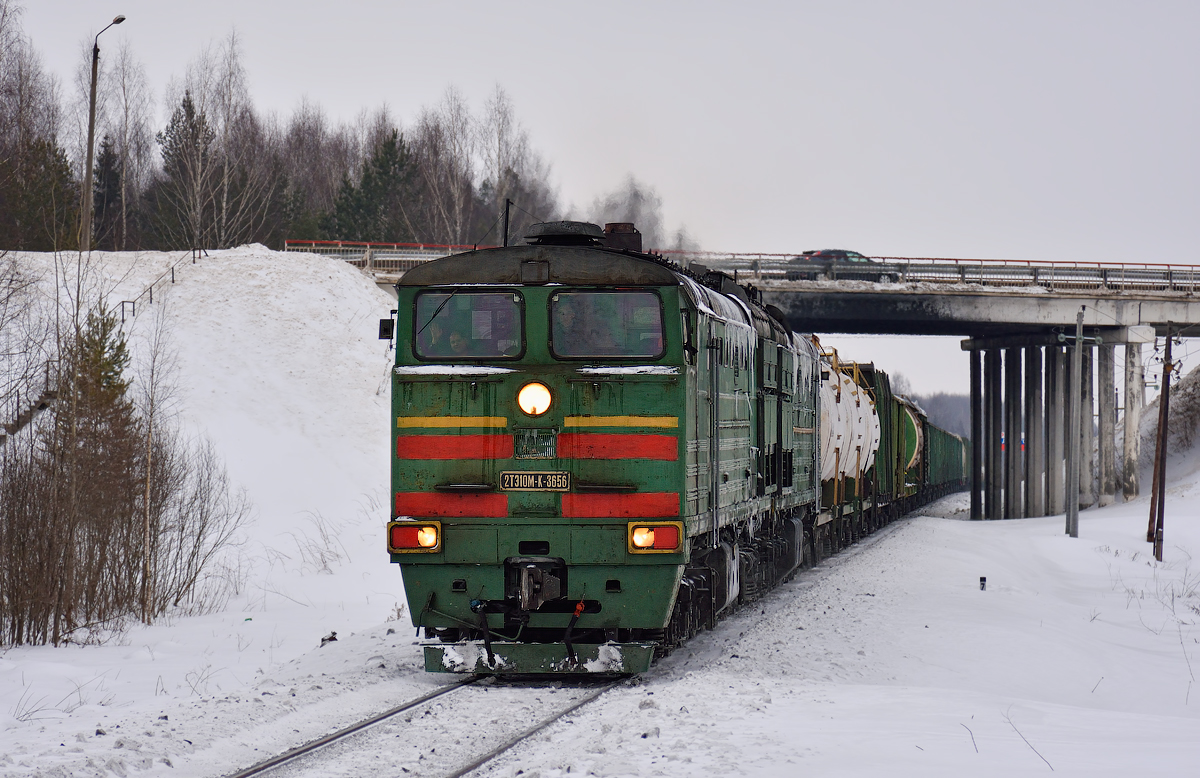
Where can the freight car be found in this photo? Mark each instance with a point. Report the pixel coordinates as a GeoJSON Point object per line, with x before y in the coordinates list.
{"type": "Point", "coordinates": [597, 452]}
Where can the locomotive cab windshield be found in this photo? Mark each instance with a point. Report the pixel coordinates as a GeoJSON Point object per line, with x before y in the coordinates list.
{"type": "Point", "coordinates": [623, 324]}
{"type": "Point", "coordinates": [468, 325]}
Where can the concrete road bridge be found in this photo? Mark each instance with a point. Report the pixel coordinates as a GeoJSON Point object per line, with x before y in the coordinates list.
{"type": "Point", "coordinates": [1018, 322]}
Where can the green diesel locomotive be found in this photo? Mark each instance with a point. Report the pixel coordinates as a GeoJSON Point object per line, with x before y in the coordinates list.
{"type": "Point", "coordinates": [596, 452]}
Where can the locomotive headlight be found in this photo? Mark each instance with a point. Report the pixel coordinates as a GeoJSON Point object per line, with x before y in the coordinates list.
{"type": "Point", "coordinates": [642, 537]}
{"type": "Point", "coordinates": [534, 398]}
{"type": "Point", "coordinates": [427, 537]}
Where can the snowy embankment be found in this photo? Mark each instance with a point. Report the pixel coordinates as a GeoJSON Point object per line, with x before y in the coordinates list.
{"type": "Point", "coordinates": [887, 660]}
{"type": "Point", "coordinates": [279, 366]}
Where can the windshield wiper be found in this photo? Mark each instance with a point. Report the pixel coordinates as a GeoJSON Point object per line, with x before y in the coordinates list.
{"type": "Point", "coordinates": [437, 311]}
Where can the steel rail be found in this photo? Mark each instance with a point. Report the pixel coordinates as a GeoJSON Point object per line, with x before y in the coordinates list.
{"type": "Point", "coordinates": [511, 742]}
{"type": "Point", "coordinates": [298, 751]}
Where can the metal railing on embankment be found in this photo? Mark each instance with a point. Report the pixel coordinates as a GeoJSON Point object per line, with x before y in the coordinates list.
{"type": "Point", "coordinates": [380, 259]}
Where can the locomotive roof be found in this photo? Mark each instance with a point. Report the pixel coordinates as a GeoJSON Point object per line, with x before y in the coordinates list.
{"type": "Point", "coordinates": [596, 266]}
{"type": "Point", "coordinates": [584, 265]}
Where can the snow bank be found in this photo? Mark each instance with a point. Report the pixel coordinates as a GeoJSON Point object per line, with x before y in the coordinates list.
{"type": "Point", "coordinates": [279, 365]}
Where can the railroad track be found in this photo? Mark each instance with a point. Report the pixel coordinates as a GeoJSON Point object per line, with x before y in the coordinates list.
{"type": "Point", "coordinates": [387, 741]}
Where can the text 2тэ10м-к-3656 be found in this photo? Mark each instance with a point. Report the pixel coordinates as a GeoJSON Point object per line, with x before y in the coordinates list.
{"type": "Point", "coordinates": [596, 452]}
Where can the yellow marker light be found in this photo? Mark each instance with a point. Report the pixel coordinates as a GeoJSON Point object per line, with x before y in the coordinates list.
{"type": "Point", "coordinates": [534, 398]}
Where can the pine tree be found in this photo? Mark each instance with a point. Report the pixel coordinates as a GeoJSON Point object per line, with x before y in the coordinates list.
{"type": "Point", "coordinates": [38, 198]}
{"type": "Point", "coordinates": [181, 200]}
{"type": "Point", "coordinates": [376, 209]}
{"type": "Point", "coordinates": [107, 197]}
{"type": "Point", "coordinates": [87, 465]}
{"type": "Point", "coordinates": [103, 356]}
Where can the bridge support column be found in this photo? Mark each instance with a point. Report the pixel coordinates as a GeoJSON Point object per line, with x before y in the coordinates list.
{"type": "Point", "coordinates": [1035, 435]}
{"type": "Point", "coordinates": [977, 442]}
{"type": "Point", "coordinates": [1134, 400]}
{"type": "Point", "coordinates": [1107, 442]}
{"type": "Point", "coordinates": [1013, 469]}
{"type": "Point", "coordinates": [1087, 431]}
{"type": "Point", "coordinates": [1028, 475]}
{"type": "Point", "coordinates": [1055, 423]}
{"type": "Point", "coordinates": [992, 466]}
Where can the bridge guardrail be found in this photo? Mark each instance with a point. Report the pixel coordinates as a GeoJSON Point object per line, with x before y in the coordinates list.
{"type": "Point", "coordinates": [394, 259]}
{"type": "Point", "coordinates": [1097, 277]}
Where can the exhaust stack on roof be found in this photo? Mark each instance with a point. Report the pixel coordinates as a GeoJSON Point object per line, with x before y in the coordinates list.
{"type": "Point", "coordinates": [622, 235]}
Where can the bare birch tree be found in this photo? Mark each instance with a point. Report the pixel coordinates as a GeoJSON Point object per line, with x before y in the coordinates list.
{"type": "Point", "coordinates": [315, 159]}
{"type": "Point", "coordinates": [28, 94]}
{"type": "Point", "coordinates": [246, 181]}
{"type": "Point", "coordinates": [444, 141]}
{"type": "Point", "coordinates": [221, 168]}
{"type": "Point", "coordinates": [157, 401]}
{"type": "Point", "coordinates": [511, 167]}
{"type": "Point", "coordinates": [36, 186]}
{"type": "Point", "coordinates": [131, 104]}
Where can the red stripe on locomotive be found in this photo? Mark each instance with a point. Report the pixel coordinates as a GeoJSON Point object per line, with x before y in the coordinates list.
{"type": "Point", "coordinates": [621, 506]}
{"type": "Point", "coordinates": [454, 446]}
{"type": "Point", "coordinates": [573, 445]}
{"type": "Point", "coordinates": [432, 505]}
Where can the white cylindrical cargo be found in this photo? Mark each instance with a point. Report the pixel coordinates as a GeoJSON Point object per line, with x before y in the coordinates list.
{"type": "Point", "coordinates": [850, 430]}
{"type": "Point", "coordinates": [832, 428]}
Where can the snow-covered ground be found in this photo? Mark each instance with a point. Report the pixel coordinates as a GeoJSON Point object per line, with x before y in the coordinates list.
{"type": "Point", "coordinates": [1080, 656]}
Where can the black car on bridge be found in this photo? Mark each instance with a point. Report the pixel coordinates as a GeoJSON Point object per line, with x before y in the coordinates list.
{"type": "Point", "coordinates": [832, 264]}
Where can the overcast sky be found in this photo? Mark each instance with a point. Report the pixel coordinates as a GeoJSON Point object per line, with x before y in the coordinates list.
{"type": "Point", "coordinates": [1047, 130]}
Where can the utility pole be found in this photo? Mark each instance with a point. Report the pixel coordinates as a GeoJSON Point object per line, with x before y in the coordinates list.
{"type": "Point", "coordinates": [1158, 439]}
{"type": "Point", "coordinates": [86, 196]}
{"type": "Point", "coordinates": [1158, 491]}
{"type": "Point", "coordinates": [1074, 454]}
{"type": "Point", "coordinates": [507, 204]}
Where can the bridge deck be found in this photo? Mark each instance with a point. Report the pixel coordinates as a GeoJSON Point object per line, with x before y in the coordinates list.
{"type": "Point", "coordinates": [918, 296]}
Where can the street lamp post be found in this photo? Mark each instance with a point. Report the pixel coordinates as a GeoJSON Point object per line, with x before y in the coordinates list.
{"type": "Point", "coordinates": [85, 197]}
